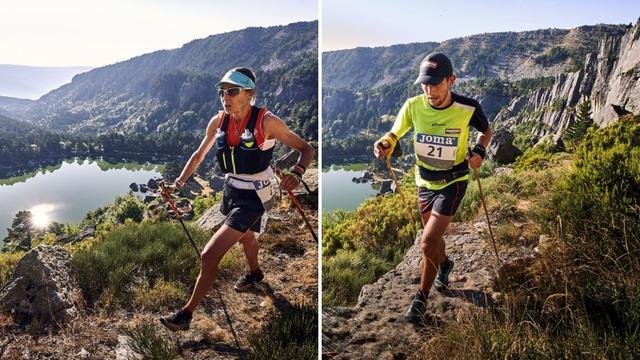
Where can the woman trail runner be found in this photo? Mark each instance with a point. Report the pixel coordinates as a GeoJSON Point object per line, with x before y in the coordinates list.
{"type": "Point", "coordinates": [245, 136]}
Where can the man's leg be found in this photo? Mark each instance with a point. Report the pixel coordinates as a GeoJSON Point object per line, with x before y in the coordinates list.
{"type": "Point", "coordinates": [425, 219]}
{"type": "Point", "coordinates": [250, 246]}
{"type": "Point", "coordinates": [432, 246]}
{"type": "Point", "coordinates": [219, 244]}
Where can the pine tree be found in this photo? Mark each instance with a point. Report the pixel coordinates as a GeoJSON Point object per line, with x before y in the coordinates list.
{"type": "Point", "coordinates": [20, 234]}
{"type": "Point", "coordinates": [576, 131]}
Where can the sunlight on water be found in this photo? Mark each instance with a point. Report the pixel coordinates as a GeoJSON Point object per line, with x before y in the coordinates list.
{"type": "Point", "coordinates": [40, 214]}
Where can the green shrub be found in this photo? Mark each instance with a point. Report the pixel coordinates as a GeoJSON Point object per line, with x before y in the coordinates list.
{"type": "Point", "coordinates": [290, 334]}
{"type": "Point", "coordinates": [129, 207]}
{"type": "Point", "coordinates": [123, 208]}
{"type": "Point", "coordinates": [500, 194]}
{"type": "Point", "coordinates": [380, 225]}
{"type": "Point", "coordinates": [202, 203]}
{"type": "Point", "coordinates": [542, 156]}
{"type": "Point", "coordinates": [148, 342]}
{"type": "Point", "coordinates": [600, 201]}
{"type": "Point", "coordinates": [8, 262]}
{"type": "Point", "coordinates": [159, 297]}
{"type": "Point", "coordinates": [344, 274]}
{"type": "Point", "coordinates": [150, 251]}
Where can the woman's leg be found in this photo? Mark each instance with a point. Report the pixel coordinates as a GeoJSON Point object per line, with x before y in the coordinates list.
{"type": "Point", "coordinates": [219, 244]}
{"type": "Point", "coordinates": [250, 246]}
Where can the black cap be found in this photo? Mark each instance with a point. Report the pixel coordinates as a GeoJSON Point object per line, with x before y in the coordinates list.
{"type": "Point", "coordinates": [434, 68]}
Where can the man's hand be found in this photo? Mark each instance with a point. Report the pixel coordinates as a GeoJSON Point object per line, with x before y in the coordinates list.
{"type": "Point", "coordinates": [384, 146]}
{"type": "Point", "coordinates": [475, 161]}
{"type": "Point", "coordinates": [381, 149]}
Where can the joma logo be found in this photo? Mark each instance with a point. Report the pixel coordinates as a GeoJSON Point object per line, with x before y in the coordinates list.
{"type": "Point", "coordinates": [437, 140]}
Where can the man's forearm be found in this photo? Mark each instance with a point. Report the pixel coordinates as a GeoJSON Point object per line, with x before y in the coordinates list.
{"type": "Point", "coordinates": [484, 138]}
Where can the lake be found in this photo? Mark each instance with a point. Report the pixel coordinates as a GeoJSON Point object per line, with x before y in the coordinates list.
{"type": "Point", "coordinates": [339, 192]}
{"type": "Point", "coordinates": [66, 192]}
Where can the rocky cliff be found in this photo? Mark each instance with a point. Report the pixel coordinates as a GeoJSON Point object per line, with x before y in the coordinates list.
{"type": "Point", "coordinates": [530, 83]}
{"type": "Point", "coordinates": [609, 80]}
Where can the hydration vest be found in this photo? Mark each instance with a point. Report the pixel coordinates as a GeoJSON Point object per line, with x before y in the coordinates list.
{"type": "Point", "coordinates": [246, 157]}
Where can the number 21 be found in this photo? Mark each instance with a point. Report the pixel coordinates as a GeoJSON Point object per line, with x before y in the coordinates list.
{"type": "Point", "coordinates": [432, 149]}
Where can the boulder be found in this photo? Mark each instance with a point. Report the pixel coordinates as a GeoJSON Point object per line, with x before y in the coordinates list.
{"type": "Point", "coordinates": [387, 186]}
{"type": "Point", "coordinates": [41, 287]}
{"type": "Point", "coordinates": [501, 149]}
{"type": "Point", "coordinates": [212, 219]}
{"type": "Point", "coordinates": [87, 231]}
{"type": "Point", "coordinates": [134, 187]}
{"type": "Point", "coordinates": [152, 184]}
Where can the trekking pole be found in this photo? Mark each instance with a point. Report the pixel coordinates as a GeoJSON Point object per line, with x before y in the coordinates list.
{"type": "Point", "coordinates": [395, 181]}
{"type": "Point", "coordinates": [298, 207]}
{"type": "Point", "coordinates": [165, 196]}
{"type": "Point", "coordinates": [484, 205]}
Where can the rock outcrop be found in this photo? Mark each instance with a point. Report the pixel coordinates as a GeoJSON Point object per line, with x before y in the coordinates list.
{"type": "Point", "coordinates": [41, 287]}
{"type": "Point", "coordinates": [375, 328]}
{"type": "Point", "coordinates": [501, 149]}
{"type": "Point", "coordinates": [619, 83]}
{"type": "Point", "coordinates": [609, 78]}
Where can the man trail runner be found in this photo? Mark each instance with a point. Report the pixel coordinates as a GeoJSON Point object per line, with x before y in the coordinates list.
{"type": "Point", "coordinates": [245, 136]}
{"type": "Point", "coordinates": [441, 122]}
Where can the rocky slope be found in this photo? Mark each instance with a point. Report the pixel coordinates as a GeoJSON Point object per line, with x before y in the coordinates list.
{"type": "Point", "coordinates": [288, 256]}
{"type": "Point", "coordinates": [375, 328]}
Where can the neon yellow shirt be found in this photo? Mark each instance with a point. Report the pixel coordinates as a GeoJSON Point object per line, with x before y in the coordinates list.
{"type": "Point", "coordinates": [440, 135]}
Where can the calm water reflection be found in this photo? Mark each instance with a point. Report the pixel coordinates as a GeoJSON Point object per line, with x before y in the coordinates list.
{"type": "Point", "coordinates": [66, 192]}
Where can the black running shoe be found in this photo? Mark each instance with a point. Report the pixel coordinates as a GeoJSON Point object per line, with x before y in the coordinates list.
{"type": "Point", "coordinates": [441, 282]}
{"type": "Point", "coordinates": [177, 321]}
{"type": "Point", "coordinates": [417, 309]}
{"type": "Point", "coordinates": [248, 279]}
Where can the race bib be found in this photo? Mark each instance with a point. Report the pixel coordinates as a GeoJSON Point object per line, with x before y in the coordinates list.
{"type": "Point", "coordinates": [436, 150]}
{"type": "Point", "coordinates": [265, 192]}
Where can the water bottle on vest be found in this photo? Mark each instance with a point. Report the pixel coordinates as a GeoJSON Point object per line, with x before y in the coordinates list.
{"type": "Point", "coordinates": [247, 139]}
{"type": "Point", "coordinates": [221, 139]}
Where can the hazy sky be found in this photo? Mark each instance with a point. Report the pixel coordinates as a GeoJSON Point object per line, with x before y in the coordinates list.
{"type": "Point", "coordinates": [352, 23]}
{"type": "Point", "coordinates": [96, 33]}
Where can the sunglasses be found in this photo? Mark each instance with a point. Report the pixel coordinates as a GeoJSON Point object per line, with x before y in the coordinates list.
{"type": "Point", "coordinates": [231, 92]}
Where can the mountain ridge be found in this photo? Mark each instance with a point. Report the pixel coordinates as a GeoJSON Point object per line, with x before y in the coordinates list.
{"type": "Point", "coordinates": [173, 89]}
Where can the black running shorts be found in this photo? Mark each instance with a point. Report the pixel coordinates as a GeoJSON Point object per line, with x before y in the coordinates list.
{"type": "Point", "coordinates": [243, 208]}
{"type": "Point", "coordinates": [444, 201]}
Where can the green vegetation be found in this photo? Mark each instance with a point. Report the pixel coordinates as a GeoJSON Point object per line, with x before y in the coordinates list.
{"type": "Point", "coordinates": [8, 262]}
{"type": "Point", "coordinates": [360, 246]}
{"type": "Point", "coordinates": [580, 298]}
{"type": "Point", "coordinates": [123, 208]}
{"type": "Point", "coordinates": [21, 233]}
{"type": "Point", "coordinates": [147, 251]}
{"type": "Point", "coordinates": [146, 341]}
{"type": "Point", "coordinates": [575, 132]}
{"type": "Point", "coordinates": [290, 334]}
{"type": "Point", "coordinates": [203, 203]}
{"type": "Point", "coordinates": [543, 155]}
{"type": "Point", "coordinates": [344, 274]}
{"type": "Point", "coordinates": [554, 56]}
